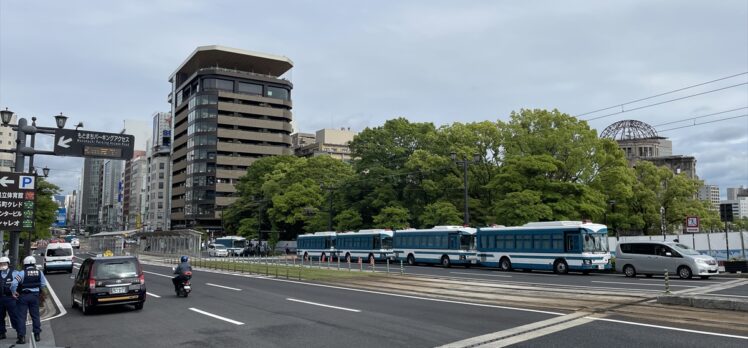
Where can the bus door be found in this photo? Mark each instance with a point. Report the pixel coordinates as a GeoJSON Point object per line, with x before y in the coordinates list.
{"type": "Point", "coordinates": [454, 241]}
{"type": "Point", "coordinates": [572, 241]}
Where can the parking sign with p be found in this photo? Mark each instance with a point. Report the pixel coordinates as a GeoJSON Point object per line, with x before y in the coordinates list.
{"type": "Point", "coordinates": [26, 182]}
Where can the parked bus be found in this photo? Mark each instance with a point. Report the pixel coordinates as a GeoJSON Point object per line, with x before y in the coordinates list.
{"type": "Point", "coordinates": [560, 246]}
{"type": "Point", "coordinates": [321, 244]}
{"type": "Point", "coordinates": [446, 245]}
{"type": "Point", "coordinates": [234, 244]}
{"type": "Point", "coordinates": [372, 245]}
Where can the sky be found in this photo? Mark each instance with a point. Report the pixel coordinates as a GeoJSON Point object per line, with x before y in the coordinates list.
{"type": "Point", "coordinates": [360, 63]}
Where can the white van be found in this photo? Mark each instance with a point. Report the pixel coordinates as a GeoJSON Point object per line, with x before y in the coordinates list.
{"type": "Point", "coordinates": [58, 257]}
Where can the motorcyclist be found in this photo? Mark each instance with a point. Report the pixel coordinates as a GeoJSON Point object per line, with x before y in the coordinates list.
{"type": "Point", "coordinates": [180, 270]}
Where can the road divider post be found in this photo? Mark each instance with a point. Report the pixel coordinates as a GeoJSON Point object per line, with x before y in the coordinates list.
{"type": "Point", "coordinates": [667, 282]}
{"type": "Point", "coordinates": [402, 268]}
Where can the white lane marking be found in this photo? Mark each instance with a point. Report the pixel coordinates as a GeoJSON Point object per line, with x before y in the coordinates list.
{"type": "Point", "coordinates": [671, 328]}
{"type": "Point", "coordinates": [158, 274]}
{"type": "Point", "coordinates": [154, 295]}
{"type": "Point", "coordinates": [223, 286]}
{"type": "Point", "coordinates": [660, 285]}
{"type": "Point", "coordinates": [57, 303]}
{"type": "Point", "coordinates": [677, 280]}
{"type": "Point", "coordinates": [483, 275]}
{"type": "Point", "coordinates": [76, 264]}
{"type": "Point", "coordinates": [217, 316]}
{"type": "Point", "coordinates": [386, 294]}
{"type": "Point", "coordinates": [324, 305]}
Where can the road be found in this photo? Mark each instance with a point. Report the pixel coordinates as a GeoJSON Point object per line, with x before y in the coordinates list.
{"type": "Point", "coordinates": [229, 311]}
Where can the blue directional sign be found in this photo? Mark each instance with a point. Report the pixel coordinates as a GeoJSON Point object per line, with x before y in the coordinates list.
{"type": "Point", "coordinates": [62, 217]}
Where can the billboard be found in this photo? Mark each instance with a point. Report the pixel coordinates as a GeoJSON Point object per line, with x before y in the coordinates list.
{"type": "Point", "coordinates": [61, 219]}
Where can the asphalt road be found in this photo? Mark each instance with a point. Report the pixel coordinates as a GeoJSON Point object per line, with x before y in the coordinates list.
{"type": "Point", "coordinates": [231, 311]}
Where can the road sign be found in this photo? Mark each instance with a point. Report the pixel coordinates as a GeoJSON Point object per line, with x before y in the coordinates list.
{"type": "Point", "coordinates": [75, 143]}
{"type": "Point", "coordinates": [692, 224]}
{"type": "Point", "coordinates": [17, 201]}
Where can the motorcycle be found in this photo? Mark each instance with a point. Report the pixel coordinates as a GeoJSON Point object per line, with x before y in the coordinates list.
{"type": "Point", "coordinates": [185, 287]}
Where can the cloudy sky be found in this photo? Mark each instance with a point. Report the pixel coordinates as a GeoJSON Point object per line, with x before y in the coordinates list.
{"type": "Point", "coordinates": [359, 63]}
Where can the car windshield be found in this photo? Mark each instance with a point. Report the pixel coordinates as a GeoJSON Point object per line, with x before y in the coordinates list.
{"type": "Point", "coordinates": [686, 250]}
{"type": "Point", "coordinates": [59, 252]}
{"type": "Point", "coordinates": [116, 269]}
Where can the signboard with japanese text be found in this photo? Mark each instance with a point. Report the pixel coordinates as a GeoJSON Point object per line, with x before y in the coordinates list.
{"type": "Point", "coordinates": [17, 201]}
{"type": "Point", "coordinates": [692, 224]}
{"type": "Point", "coordinates": [76, 143]}
{"type": "Point", "coordinates": [62, 217]}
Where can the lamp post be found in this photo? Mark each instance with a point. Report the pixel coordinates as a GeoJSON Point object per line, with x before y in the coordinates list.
{"type": "Point", "coordinates": [23, 129]}
{"type": "Point", "coordinates": [464, 163]}
{"type": "Point", "coordinates": [330, 190]}
{"type": "Point", "coordinates": [612, 204]}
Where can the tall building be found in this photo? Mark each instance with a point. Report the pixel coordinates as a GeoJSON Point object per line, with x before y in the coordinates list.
{"type": "Point", "coordinates": [111, 195]}
{"type": "Point", "coordinates": [91, 194]}
{"type": "Point", "coordinates": [134, 188]}
{"type": "Point", "coordinates": [331, 142]}
{"type": "Point", "coordinates": [230, 108]}
{"type": "Point", "coordinates": [302, 139]}
{"type": "Point", "coordinates": [640, 142]}
{"type": "Point", "coordinates": [734, 192]}
{"type": "Point", "coordinates": [739, 207]}
{"type": "Point", "coordinates": [158, 181]}
{"type": "Point", "coordinates": [7, 142]}
{"type": "Point", "coordinates": [710, 193]}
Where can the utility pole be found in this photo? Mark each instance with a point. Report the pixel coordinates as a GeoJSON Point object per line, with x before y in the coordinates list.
{"type": "Point", "coordinates": [464, 163]}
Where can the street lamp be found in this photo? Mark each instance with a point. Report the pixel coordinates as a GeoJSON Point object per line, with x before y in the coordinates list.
{"type": "Point", "coordinates": [6, 116]}
{"type": "Point", "coordinates": [45, 170]}
{"type": "Point", "coordinates": [79, 125]}
{"type": "Point", "coordinates": [61, 119]}
{"type": "Point", "coordinates": [464, 163]}
{"type": "Point", "coordinates": [612, 204]}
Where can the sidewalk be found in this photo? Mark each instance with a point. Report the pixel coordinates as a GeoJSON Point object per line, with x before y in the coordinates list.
{"type": "Point", "coordinates": [705, 298]}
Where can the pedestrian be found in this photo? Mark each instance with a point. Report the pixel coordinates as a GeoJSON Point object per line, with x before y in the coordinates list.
{"type": "Point", "coordinates": [27, 286]}
{"type": "Point", "coordinates": [7, 300]}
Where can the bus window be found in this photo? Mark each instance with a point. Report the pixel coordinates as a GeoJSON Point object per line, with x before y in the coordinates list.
{"type": "Point", "coordinates": [386, 242]}
{"type": "Point", "coordinates": [572, 241]}
{"type": "Point", "coordinates": [467, 242]}
{"type": "Point", "coordinates": [377, 242]}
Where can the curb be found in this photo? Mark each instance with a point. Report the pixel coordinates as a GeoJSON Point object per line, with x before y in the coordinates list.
{"type": "Point", "coordinates": [704, 301]}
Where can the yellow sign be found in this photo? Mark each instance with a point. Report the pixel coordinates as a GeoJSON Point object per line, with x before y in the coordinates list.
{"type": "Point", "coordinates": [108, 253]}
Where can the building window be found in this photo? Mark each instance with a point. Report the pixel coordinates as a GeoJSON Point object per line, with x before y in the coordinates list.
{"type": "Point", "coordinates": [160, 185]}
{"type": "Point", "coordinates": [249, 88]}
{"type": "Point", "coordinates": [224, 85]}
{"type": "Point", "coordinates": [161, 175]}
{"type": "Point", "coordinates": [161, 165]}
{"type": "Point", "coordinates": [277, 92]}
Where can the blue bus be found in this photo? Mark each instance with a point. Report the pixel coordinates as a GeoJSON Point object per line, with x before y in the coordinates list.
{"type": "Point", "coordinates": [558, 246]}
{"type": "Point", "coordinates": [321, 244]}
{"type": "Point", "coordinates": [372, 245]}
{"type": "Point", "coordinates": [445, 245]}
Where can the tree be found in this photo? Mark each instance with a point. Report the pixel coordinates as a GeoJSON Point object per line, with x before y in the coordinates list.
{"type": "Point", "coordinates": [46, 208]}
{"type": "Point", "coordinates": [440, 213]}
{"type": "Point", "coordinates": [348, 220]}
{"type": "Point", "coordinates": [392, 217]}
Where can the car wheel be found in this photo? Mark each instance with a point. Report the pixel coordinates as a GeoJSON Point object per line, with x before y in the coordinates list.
{"type": "Point", "coordinates": [684, 272]}
{"type": "Point", "coordinates": [505, 265]}
{"type": "Point", "coordinates": [445, 262]}
{"type": "Point", "coordinates": [139, 305]}
{"type": "Point", "coordinates": [629, 271]}
{"type": "Point", "coordinates": [86, 309]}
{"type": "Point", "coordinates": [411, 260]}
{"type": "Point", "coordinates": [560, 267]}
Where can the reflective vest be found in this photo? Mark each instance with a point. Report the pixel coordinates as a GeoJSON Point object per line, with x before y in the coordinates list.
{"type": "Point", "coordinates": [32, 278]}
{"type": "Point", "coordinates": [6, 282]}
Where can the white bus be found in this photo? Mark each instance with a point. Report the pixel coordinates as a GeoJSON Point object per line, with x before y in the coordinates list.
{"type": "Point", "coordinates": [370, 245]}
{"type": "Point", "coordinates": [445, 245]}
{"type": "Point", "coordinates": [559, 246]}
{"type": "Point", "coordinates": [318, 244]}
{"type": "Point", "coordinates": [234, 244]}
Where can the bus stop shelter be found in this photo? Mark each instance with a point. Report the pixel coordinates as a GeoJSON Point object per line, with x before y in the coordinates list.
{"type": "Point", "coordinates": [175, 242]}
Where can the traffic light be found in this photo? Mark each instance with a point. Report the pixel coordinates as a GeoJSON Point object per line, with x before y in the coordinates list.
{"type": "Point", "coordinates": [725, 212]}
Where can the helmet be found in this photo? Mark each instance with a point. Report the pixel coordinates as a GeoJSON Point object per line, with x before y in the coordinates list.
{"type": "Point", "coordinates": [4, 260]}
{"type": "Point", "coordinates": [184, 258]}
{"type": "Point", "coordinates": [29, 260]}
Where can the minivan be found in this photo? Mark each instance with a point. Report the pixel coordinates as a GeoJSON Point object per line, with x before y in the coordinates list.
{"type": "Point", "coordinates": [58, 256]}
{"type": "Point", "coordinates": [108, 281]}
{"type": "Point", "coordinates": [651, 258]}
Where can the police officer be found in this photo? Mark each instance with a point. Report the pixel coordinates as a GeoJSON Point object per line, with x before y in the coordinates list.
{"type": "Point", "coordinates": [7, 300]}
{"type": "Point", "coordinates": [27, 285]}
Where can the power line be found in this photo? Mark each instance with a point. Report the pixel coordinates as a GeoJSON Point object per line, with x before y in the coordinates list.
{"type": "Point", "coordinates": [668, 101]}
{"type": "Point", "coordinates": [703, 123]}
{"type": "Point", "coordinates": [661, 94]}
{"type": "Point", "coordinates": [698, 117]}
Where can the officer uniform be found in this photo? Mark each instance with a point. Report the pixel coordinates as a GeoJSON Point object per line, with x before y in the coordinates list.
{"type": "Point", "coordinates": [7, 302]}
{"type": "Point", "coordinates": [27, 284]}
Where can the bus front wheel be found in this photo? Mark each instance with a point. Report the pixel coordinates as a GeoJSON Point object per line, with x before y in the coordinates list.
{"type": "Point", "coordinates": [505, 265]}
{"type": "Point", "coordinates": [560, 267]}
{"type": "Point", "coordinates": [411, 260]}
{"type": "Point", "coordinates": [445, 261]}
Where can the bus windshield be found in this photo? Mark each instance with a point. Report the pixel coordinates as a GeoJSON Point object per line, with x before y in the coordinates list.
{"type": "Point", "coordinates": [595, 242]}
{"type": "Point", "coordinates": [467, 242]}
{"type": "Point", "coordinates": [386, 242]}
{"type": "Point", "coordinates": [240, 243]}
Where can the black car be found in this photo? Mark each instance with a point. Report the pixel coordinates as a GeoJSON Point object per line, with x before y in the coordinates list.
{"type": "Point", "coordinates": [108, 281]}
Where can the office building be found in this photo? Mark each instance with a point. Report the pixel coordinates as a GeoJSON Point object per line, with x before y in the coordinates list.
{"type": "Point", "coordinates": [710, 193]}
{"type": "Point", "coordinates": [7, 142]}
{"type": "Point", "coordinates": [91, 194]}
{"type": "Point", "coordinates": [134, 188]}
{"type": "Point", "coordinates": [158, 180]}
{"type": "Point", "coordinates": [734, 192]}
{"type": "Point", "coordinates": [110, 214]}
{"type": "Point", "coordinates": [230, 108]}
{"type": "Point", "coordinates": [329, 142]}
